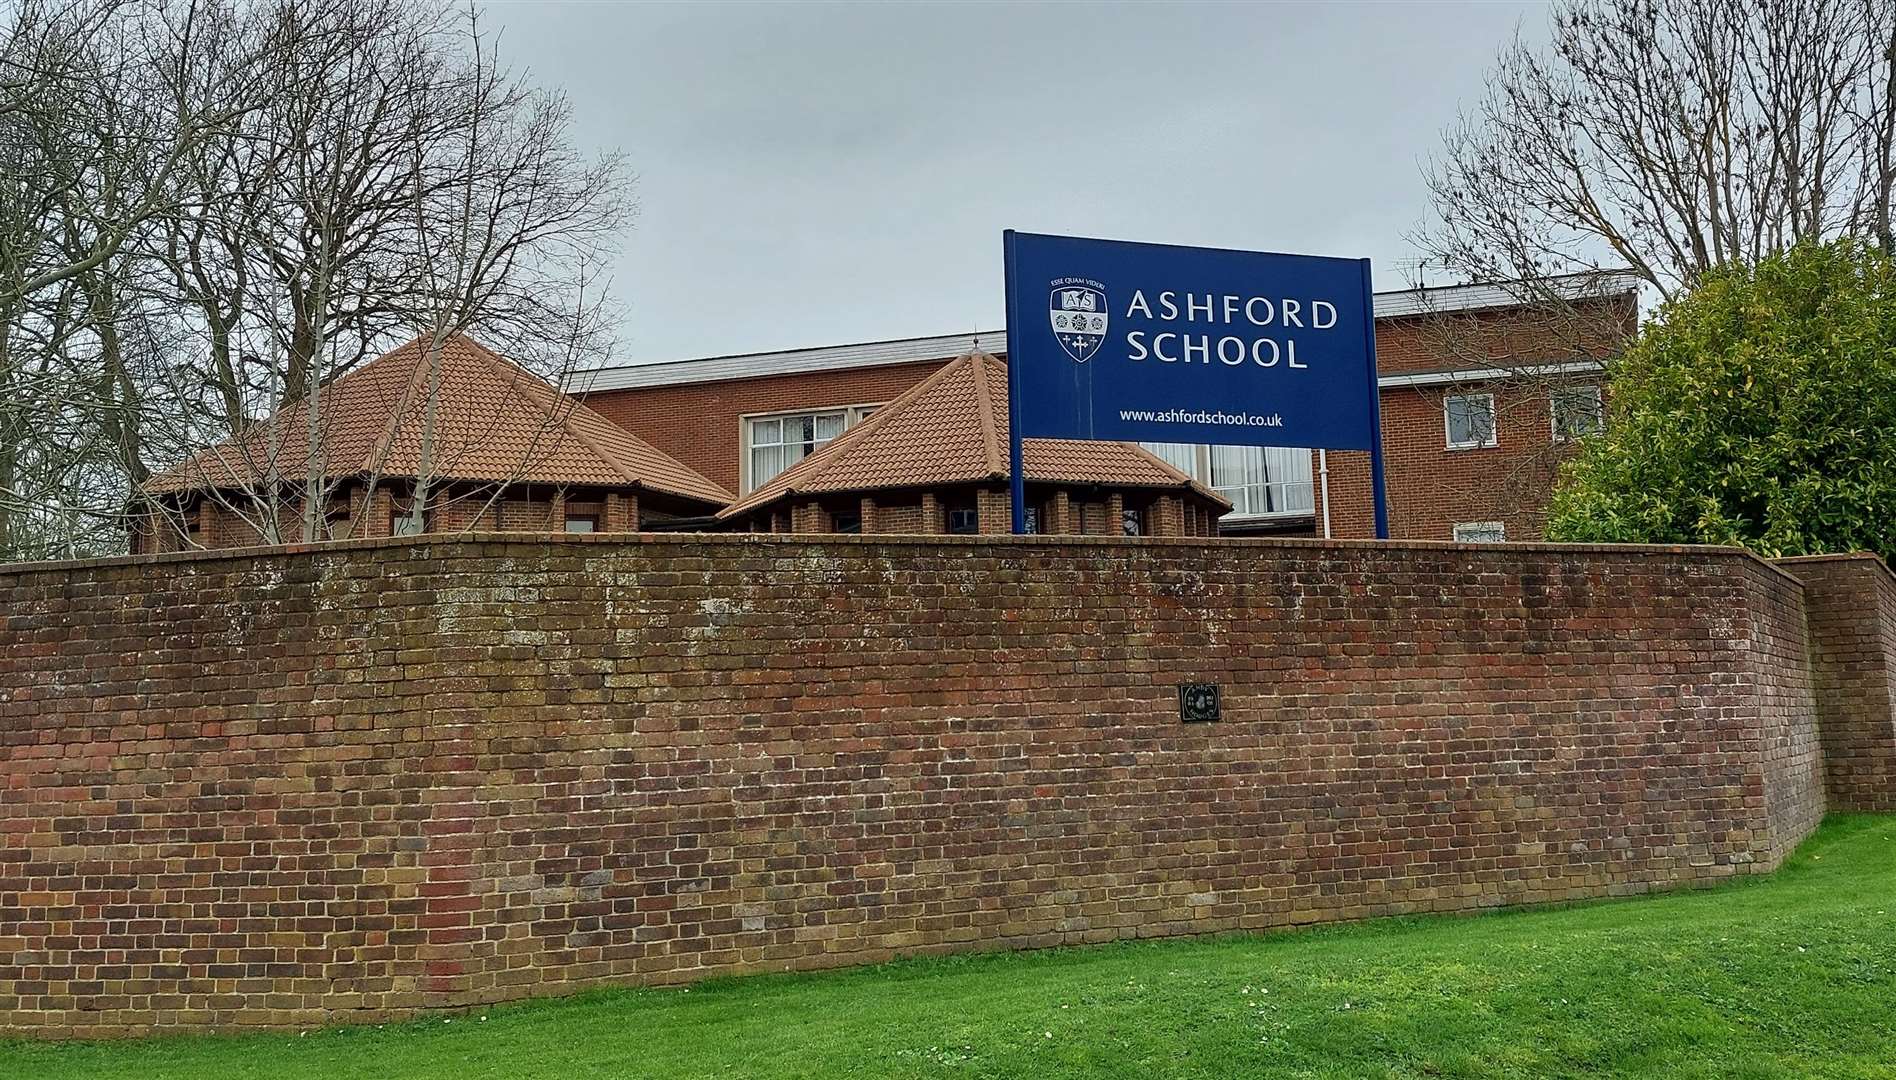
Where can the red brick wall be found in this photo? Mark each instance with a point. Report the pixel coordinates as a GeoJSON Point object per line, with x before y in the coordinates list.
{"type": "Point", "coordinates": [1851, 601]}
{"type": "Point", "coordinates": [698, 423]}
{"type": "Point", "coordinates": [377, 776]}
{"type": "Point", "coordinates": [1431, 487]}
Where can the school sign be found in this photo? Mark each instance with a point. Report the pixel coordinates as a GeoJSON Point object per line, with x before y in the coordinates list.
{"type": "Point", "coordinates": [1158, 343]}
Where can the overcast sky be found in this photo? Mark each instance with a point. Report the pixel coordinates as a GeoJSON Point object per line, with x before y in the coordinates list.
{"type": "Point", "coordinates": [817, 174]}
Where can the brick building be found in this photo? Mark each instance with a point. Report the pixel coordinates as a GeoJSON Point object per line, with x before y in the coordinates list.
{"type": "Point", "coordinates": [506, 452]}
{"type": "Point", "coordinates": [1481, 395]}
{"type": "Point", "coordinates": [935, 460]}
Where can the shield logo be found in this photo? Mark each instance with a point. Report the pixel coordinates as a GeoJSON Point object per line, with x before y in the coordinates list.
{"type": "Point", "coordinates": [1077, 311]}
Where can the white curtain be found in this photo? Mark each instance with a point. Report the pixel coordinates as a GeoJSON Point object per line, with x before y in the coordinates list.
{"type": "Point", "coordinates": [1179, 455]}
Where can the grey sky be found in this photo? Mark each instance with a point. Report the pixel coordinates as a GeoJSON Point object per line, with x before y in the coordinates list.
{"type": "Point", "coordinates": [822, 174]}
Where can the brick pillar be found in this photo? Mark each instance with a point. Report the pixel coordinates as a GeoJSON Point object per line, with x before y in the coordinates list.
{"type": "Point", "coordinates": [995, 510]}
{"type": "Point", "coordinates": [1167, 517]}
{"type": "Point", "coordinates": [1061, 513]}
{"type": "Point", "coordinates": [622, 514]}
{"type": "Point", "coordinates": [1850, 608]}
{"type": "Point", "coordinates": [1115, 514]}
{"type": "Point", "coordinates": [931, 514]}
{"type": "Point", "coordinates": [868, 512]}
{"type": "Point", "coordinates": [809, 517]}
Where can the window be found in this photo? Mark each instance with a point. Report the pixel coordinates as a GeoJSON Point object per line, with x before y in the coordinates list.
{"type": "Point", "coordinates": [964, 520]}
{"type": "Point", "coordinates": [581, 523]}
{"type": "Point", "coordinates": [1480, 532]}
{"type": "Point", "coordinates": [1132, 521]}
{"type": "Point", "coordinates": [846, 522]}
{"type": "Point", "coordinates": [1575, 412]}
{"type": "Point", "coordinates": [774, 443]}
{"type": "Point", "coordinates": [401, 521]}
{"type": "Point", "coordinates": [1469, 419]}
{"type": "Point", "coordinates": [1260, 481]}
{"type": "Point", "coordinates": [1033, 519]}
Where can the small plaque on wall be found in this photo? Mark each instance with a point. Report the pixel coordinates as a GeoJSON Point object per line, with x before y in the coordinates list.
{"type": "Point", "coordinates": [1198, 703]}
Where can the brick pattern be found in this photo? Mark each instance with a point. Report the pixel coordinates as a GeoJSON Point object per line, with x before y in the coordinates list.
{"type": "Point", "coordinates": [372, 777]}
{"type": "Point", "coordinates": [1851, 604]}
{"type": "Point", "coordinates": [1432, 488]}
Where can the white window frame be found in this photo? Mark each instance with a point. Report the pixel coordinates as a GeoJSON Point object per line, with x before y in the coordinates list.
{"type": "Point", "coordinates": [1494, 423]}
{"type": "Point", "coordinates": [852, 415]}
{"type": "Point", "coordinates": [1278, 490]}
{"type": "Point", "coordinates": [1553, 410]}
{"type": "Point", "coordinates": [1498, 528]}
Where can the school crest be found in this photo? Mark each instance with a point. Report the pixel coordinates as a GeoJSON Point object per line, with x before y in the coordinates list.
{"type": "Point", "coordinates": [1077, 310]}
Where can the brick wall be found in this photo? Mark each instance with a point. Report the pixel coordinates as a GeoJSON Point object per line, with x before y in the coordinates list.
{"type": "Point", "coordinates": [1431, 488]}
{"type": "Point", "coordinates": [1851, 601]}
{"type": "Point", "coordinates": [249, 789]}
{"type": "Point", "coordinates": [698, 423]}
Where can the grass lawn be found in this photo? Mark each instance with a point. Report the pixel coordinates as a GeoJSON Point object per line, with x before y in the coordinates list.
{"type": "Point", "coordinates": [1792, 975]}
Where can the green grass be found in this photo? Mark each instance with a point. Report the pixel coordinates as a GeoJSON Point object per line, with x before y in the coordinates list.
{"type": "Point", "coordinates": [1791, 975]}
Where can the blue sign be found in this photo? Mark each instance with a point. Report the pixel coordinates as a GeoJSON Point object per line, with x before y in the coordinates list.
{"type": "Point", "coordinates": [1158, 343]}
{"type": "Point", "coordinates": [1198, 345]}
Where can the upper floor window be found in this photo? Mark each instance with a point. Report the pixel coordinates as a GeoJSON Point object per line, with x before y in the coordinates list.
{"type": "Point", "coordinates": [774, 443]}
{"type": "Point", "coordinates": [1260, 481]}
{"type": "Point", "coordinates": [1480, 532]}
{"type": "Point", "coordinates": [1575, 411]}
{"type": "Point", "coordinates": [1469, 420]}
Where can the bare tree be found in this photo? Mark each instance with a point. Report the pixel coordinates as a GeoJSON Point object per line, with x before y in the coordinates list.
{"type": "Point", "coordinates": [400, 184]}
{"type": "Point", "coordinates": [1669, 137]}
{"type": "Point", "coordinates": [210, 210]}
{"type": "Point", "coordinates": [96, 112]}
{"type": "Point", "coordinates": [510, 228]}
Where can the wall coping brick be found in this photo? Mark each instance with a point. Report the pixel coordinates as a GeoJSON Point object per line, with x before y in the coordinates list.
{"type": "Point", "coordinates": [1842, 556]}
{"type": "Point", "coordinates": [754, 540]}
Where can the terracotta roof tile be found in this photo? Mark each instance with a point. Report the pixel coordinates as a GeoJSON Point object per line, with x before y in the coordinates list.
{"type": "Point", "coordinates": [494, 421]}
{"type": "Point", "coordinates": [952, 428]}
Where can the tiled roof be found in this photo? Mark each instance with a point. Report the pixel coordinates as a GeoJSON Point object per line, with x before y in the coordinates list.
{"type": "Point", "coordinates": [493, 421]}
{"type": "Point", "coordinates": [951, 428]}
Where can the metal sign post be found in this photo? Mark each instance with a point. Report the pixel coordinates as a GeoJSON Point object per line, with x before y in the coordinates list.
{"type": "Point", "coordinates": [1016, 471]}
{"type": "Point", "coordinates": [1377, 495]}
